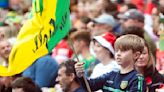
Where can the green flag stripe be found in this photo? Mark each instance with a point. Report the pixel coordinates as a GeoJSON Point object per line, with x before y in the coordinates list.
{"type": "Point", "coordinates": [62, 23]}
{"type": "Point", "coordinates": [41, 6]}
{"type": "Point", "coordinates": [35, 5]}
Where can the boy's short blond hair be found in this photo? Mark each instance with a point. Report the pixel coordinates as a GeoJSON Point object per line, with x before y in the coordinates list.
{"type": "Point", "coordinates": [129, 42]}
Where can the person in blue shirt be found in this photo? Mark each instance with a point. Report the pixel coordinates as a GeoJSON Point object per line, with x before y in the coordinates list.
{"type": "Point", "coordinates": [127, 50]}
{"type": "Point", "coordinates": [4, 3]}
{"type": "Point", "coordinates": [67, 77]}
{"type": "Point", "coordinates": [43, 71]}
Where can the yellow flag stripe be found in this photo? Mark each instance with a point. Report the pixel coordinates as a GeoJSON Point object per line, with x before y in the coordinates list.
{"type": "Point", "coordinates": [32, 39]}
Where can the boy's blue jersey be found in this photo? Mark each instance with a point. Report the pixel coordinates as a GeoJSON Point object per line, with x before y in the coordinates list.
{"type": "Point", "coordinates": [116, 82]}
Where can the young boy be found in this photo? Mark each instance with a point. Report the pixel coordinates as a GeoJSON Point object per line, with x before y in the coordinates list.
{"type": "Point", "coordinates": [127, 50]}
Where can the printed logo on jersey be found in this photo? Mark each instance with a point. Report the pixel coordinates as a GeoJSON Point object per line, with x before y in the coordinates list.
{"type": "Point", "coordinates": [123, 84]}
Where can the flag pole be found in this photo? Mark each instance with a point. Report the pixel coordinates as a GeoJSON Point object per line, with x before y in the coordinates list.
{"type": "Point", "coordinates": [85, 80]}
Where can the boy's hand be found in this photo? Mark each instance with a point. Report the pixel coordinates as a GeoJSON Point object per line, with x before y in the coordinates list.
{"type": "Point", "coordinates": [79, 67]}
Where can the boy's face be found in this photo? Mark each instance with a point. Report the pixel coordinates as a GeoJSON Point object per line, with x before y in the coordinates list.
{"type": "Point", "coordinates": [124, 57]}
{"type": "Point", "coordinates": [100, 51]}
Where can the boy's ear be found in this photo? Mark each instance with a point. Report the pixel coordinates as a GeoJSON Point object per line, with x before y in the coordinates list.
{"type": "Point", "coordinates": [137, 55]}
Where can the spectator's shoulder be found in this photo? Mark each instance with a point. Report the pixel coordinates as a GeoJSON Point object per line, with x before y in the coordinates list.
{"type": "Point", "coordinates": [47, 59]}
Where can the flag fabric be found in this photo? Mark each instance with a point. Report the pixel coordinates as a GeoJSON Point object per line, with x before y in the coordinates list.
{"type": "Point", "coordinates": [49, 23]}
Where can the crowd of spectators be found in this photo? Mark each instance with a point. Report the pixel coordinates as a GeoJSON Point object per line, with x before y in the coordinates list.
{"type": "Point", "coordinates": [96, 24]}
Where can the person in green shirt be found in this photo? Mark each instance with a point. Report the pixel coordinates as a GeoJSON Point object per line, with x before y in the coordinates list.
{"type": "Point", "coordinates": [81, 42]}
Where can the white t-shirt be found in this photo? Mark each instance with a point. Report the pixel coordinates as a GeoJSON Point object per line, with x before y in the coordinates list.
{"type": "Point", "coordinates": [101, 69]}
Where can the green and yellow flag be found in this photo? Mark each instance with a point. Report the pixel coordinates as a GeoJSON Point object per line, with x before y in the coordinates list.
{"type": "Point", "coordinates": [49, 23]}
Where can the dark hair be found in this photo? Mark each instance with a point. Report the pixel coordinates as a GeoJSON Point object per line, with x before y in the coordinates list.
{"type": "Point", "coordinates": [131, 6]}
{"type": "Point", "coordinates": [155, 2]}
{"type": "Point", "coordinates": [85, 19]}
{"type": "Point", "coordinates": [69, 65]}
{"type": "Point", "coordinates": [111, 8]}
{"type": "Point", "coordinates": [26, 84]}
{"type": "Point", "coordinates": [70, 32]}
{"type": "Point", "coordinates": [161, 9]}
{"type": "Point", "coordinates": [133, 30]}
{"type": "Point", "coordinates": [120, 1]}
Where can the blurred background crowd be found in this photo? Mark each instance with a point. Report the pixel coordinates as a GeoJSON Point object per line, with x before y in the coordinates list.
{"type": "Point", "coordinates": [91, 21]}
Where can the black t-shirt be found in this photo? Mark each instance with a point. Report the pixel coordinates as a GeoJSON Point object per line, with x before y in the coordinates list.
{"type": "Point", "coordinates": [116, 82]}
